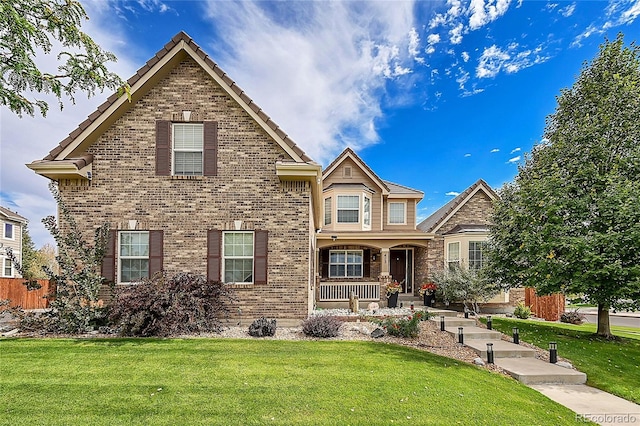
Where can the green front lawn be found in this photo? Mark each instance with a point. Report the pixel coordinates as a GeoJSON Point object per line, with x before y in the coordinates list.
{"type": "Point", "coordinates": [613, 366]}
{"type": "Point", "coordinates": [223, 381]}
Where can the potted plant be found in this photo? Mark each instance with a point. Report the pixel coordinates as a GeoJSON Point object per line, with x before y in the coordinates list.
{"type": "Point", "coordinates": [428, 293]}
{"type": "Point", "coordinates": [393, 288]}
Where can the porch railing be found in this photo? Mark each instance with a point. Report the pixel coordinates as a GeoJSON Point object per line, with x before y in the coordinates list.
{"type": "Point", "coordinates": [338, 292]}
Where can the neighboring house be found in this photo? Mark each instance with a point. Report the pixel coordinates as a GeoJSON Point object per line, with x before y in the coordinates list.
{"type": "Point", "coordinates": [460, 229]}
{"type": "Point", "coordinates": [11, 237]}
{"type": "Point", "coordinates": [193, 176]}
{"type": "Point", "coordinates": [368, 234]}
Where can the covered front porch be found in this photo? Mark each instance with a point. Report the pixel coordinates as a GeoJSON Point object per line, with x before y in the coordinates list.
{"type": "Point", "coordinates": [363, 265]}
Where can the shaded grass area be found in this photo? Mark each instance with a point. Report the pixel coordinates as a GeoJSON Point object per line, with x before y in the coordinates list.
{"type": "Point", "coordinates": [613, 366]}
{"type": "Point", "coordinates": [244, 382]}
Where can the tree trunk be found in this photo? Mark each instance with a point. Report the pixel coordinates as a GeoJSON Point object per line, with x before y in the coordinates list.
{"type": "Point", "coordinates": [604, 328]}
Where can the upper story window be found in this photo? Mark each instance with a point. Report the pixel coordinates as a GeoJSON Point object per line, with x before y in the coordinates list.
{"type": "Point", "coordinates": [327, 211]}
{"type": "Point", "coordinates": [133, 256]}
{"type": "Point", "coordinates": [453, 255]}
{"type": "Point", "coordinates": [186, 149]}
{"type": "Point", "coordinates": [366, 213]}
{"type": "Point", "coordinates": [476, 254]}
{"type": "Point", "coordinates": [8, 231]}
{"type": "Point", "coordinates": [397, 213]}
{"type": "Point", "coordinates": [237, 256]}
{"type": "Point", "coordinates": [348, 209]}
{"type": "Point", "coordinates": [188, 145]}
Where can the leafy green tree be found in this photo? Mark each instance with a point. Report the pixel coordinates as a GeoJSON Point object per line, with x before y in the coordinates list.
{"type": "Point", "coordinates": [30, 27]}
{"type": "Point", "coordinates": [571, 220]}
{"type": "Point", "coordinates": [29, 255]}
{"type": "Point", "coordinates": [462, 284]}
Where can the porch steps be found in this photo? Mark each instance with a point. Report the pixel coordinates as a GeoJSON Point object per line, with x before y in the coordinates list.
{"type": "Point", "coordinates": [518, 361]}
{"type": "Point", "coordinates": [532, 371]}
{"type": "Point", "coordinates": [473, 332]}
{"type": "Point", "coordinates": [501, 349]}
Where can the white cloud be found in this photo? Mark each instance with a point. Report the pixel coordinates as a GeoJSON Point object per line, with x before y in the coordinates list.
{"type": "Point", "coordinates": [452, 194]}
{"type": "Point", "coordinates": [510, 60]}
{"type": "Point", "coordinates": [495, 150]}
{"type": "Point", "coordinates": [414, 43]}
{"type": "Point", "coordinates": [568, 10]}
{"type": "Point", "coordinates": [284, 68]}
{"type": "Point", "coordinates": [515, 150]}
{"type": "Point", "coordinates": [483, 13]}
{"type": "Point", "coordinates": [455, 34]}
{"type": "Point", "coordinates": [465, 56]}
{"type": "Point", "coordinates": [491, 62]}
{"type": "Point", "coordinates": [467, 155]}
{"type": "Point", "coordinates": [514, 160]}
{"type": "Point", "coordinates": [433, 38]}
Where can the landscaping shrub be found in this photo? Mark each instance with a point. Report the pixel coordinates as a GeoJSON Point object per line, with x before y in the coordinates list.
{"type": "Point", "coordinates": [321, 326]}
{"type": "Point", "coordinates": [407, 327]}
{"type": "Point", "coordinates": [184, 304]}
{"type": "Point", "coordinates": [521, 311]}
{"type": "Point", "coordinates": [262, 327]}
{"type": "Point", "coordinates": [572, 317]}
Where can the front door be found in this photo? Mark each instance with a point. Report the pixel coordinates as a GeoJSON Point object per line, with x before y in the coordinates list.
{"type": "Point", "coordinates": [398, 267]}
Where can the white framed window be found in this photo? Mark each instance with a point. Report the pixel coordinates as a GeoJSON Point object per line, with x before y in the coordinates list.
{"type": "Point", "coordinates": [453, 255]}
{"type": "Point", "coordinates": [366, 212]}
{"type": "Point", "coordinates": [188, 145]}
{"type": "Point", "coordinates": [476, 254]}
{"type": "Point", "coordinates": [345, 263]}
{"type": "Point", "coordinates": [133, 256]}
{"type": "Point", "coordinates": [7, 267]}
{"type": "Point", "coordinates": [397, 213]}
{"type": "Point", "coordinates": [237, 256]}
{"type": "Point", "coordinates": [9, 231]}
{"type": "Point", "coordinates": [348, 209]}
{"type": "Point", "coordinates": [327, 211]}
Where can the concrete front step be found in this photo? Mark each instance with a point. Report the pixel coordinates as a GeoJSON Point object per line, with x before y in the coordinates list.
{"type": "Point", "coordinates": [501, 349]}
{"type": "Point", "coordinates": [442, 312]}
{"type": "Point", "coordinates": [472, 332]}
{"type": "Point", "coordinates": [455, 321]}
{"type": "Point", "coordinates": [532, 371]}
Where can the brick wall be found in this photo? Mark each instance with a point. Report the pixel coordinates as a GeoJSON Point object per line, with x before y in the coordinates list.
{"type": "Point", "coordinates": [246, 188]}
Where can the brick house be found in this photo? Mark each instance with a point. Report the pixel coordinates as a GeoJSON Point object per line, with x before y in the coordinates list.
{"type": "Point", "coordinates": [10, 238]}
{"type": "Point", "coordinates": [193, 176]}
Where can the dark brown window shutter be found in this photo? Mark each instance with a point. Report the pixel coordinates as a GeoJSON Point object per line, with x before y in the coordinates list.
{"type": "Point", "coordinates": [366, 267]}
{"type": "Point", "coordinates": [163, 148]}
{"type": "Point", "coordinates": [210, 148]}
{"type": "Point", "coordinates": [214, 258]}
{"type": "Point", "coordinates": [108, 270]}
{"type": "Point", "coordinates": [156, 252]}
{"type": "Point", "coordinates": [325, 263]}
{"type": "Point", "coordinates": [260, 257]}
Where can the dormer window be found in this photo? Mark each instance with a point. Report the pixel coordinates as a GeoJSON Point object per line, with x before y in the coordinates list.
{"type": "Point", "coordinates": [397, 213]}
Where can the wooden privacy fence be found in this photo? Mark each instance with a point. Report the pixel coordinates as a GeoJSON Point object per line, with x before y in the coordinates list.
{"type": "Point", "coordinates": [18, 295]}
{"type": "Point", "coordinates": [548, 307]}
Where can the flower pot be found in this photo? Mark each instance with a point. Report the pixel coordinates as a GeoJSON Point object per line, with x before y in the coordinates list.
{"type": "Point", "coordinates": [392, 300]}
{"type": "Point", "coordinates": [429, 299]}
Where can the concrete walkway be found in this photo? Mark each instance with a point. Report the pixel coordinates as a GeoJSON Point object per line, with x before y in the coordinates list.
{"type": "Point", "coordinates": [560, 384]}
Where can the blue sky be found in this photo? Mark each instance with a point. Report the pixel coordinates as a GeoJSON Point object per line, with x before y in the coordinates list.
{"type": "Point", "coordinates": [431, 94]}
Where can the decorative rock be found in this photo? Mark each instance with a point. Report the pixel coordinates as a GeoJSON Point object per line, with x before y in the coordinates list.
{"type": "Point", "coordinates": [377, 333]}
{"type": "Point", "coordinates": [11, 333]}
{"type": "Point", "coordinates": [373, 306]}
{"type": "Point", "coordinates": [478, 361]}
{"type": "Point", "coordinates": [564, 364]}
